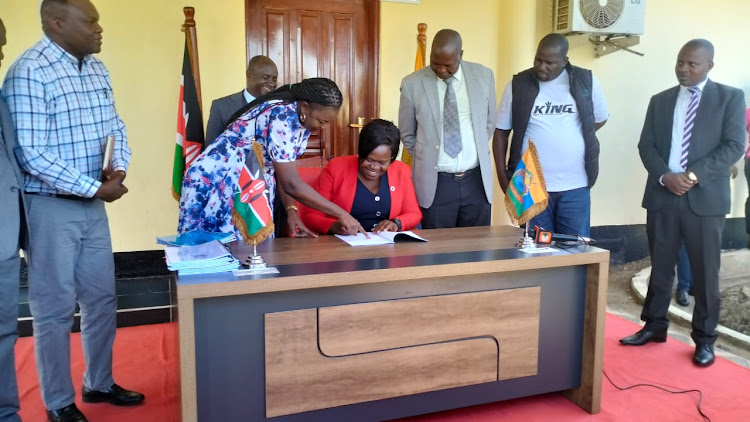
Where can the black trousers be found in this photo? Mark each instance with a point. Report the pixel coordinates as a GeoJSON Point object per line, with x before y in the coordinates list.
{"type": "Point", "coordinates": [460, 201]}
{"type": "Point", "coordinates": [667, 228]}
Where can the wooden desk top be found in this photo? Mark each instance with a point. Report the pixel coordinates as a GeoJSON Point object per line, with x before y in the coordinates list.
{"type": "Point", "coordinates": [327, 261]}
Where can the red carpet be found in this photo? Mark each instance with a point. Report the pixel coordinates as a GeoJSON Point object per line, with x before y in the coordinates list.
{"type": "Point", "coordinates": [145, 356]}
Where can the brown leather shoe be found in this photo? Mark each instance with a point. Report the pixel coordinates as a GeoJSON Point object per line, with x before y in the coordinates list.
{"type": "Point", "coordinates": [115, 395]}
{"type": "Point", "coordinates": [644, 336]}
{"type": "Point", "coordinates": [68, 413]}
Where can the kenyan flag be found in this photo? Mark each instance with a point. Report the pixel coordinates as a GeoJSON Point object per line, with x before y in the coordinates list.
{"type": "Point", "coordinates": [252, 212]}
{"type": "Point", "coordinates": [189, 125]}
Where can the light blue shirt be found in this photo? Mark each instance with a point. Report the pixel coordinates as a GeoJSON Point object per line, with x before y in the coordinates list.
{"type": "Point", "coordinates": [62, 117]}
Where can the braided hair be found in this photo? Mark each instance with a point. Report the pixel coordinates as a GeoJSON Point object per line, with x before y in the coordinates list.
{"type": "Point", "coordinates": [321, 91]}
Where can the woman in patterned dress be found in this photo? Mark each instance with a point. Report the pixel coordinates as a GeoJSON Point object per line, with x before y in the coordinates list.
{"type": "Point", "coordinates": [281, 122]}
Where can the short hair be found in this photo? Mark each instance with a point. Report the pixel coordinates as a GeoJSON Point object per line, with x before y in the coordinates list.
{"type": "Point", "coordinates": [315, 91]}
{"type": "Point", "coordinates": [555, 41]}
{"type": "Point", "coordinates": [376, 133]}
{"type": "Point", "coordinates": [259, 60]}
{"type": "Point", "coordinates": [700, 43]}
{"type": "Point", "coordinates": [49, 6]}
{"type": "Point", "coordinates": [447, 39]}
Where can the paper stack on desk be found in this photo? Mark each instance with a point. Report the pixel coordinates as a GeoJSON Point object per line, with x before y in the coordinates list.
{"type": "Point", "coordinates": [211, 257]}
{"type": "Point", "coordinates": [195, 237]}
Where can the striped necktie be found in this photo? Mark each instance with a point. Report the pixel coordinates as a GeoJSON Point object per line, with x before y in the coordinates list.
{"type": "Point", "coordinates": [451, 129]}
{"type": "Point", "coordinates": [687, 132]}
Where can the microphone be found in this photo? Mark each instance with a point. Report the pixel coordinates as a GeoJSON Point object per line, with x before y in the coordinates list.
{"type": "Point", "coordinates": [545, 237]}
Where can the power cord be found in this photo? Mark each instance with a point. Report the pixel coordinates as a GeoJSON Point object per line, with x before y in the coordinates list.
{"type": "Point", "coordinates": [700, 393]}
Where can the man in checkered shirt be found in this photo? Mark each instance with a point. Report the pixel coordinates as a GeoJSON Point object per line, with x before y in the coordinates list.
{"type": "Point", "coordinates": [60, 99]}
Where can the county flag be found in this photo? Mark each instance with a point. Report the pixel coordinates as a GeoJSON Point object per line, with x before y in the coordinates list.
{"type": "Point", "coordinates": [189, 125]}
{"type": "Point", "coordinates": [527, 194]}
{"type": "Point", "coordinates": [252, 211]}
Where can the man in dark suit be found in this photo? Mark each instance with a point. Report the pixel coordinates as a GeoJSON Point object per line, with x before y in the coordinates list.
{"type": "Point", "coordinates": [13, 228]}
{"type": "Point", "coordinates": [261, 76]}
{"type": "Point", "coordinates": [692, 135]}
{"type": "Point", "coordinates": [446, 117]}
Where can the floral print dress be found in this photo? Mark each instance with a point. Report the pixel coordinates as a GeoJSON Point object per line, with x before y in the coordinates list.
{"type": "Point", "coordinates": [211, 181]}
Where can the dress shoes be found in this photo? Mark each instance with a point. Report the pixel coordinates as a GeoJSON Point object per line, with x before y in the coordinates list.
{"type": "Point", "coordinates": [642, 337]}
{"type": "Point", "coordinates": [68, 413]}
{"type": "Point", "coordinates": [704, 355]}
{"type": "Point", "coordinates": [682, 297]}
{"type": "Point", "coordinates": [115, 395]}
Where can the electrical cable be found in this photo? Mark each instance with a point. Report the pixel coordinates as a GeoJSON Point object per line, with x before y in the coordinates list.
{"type": "Point", "coordinates": [700, 393]}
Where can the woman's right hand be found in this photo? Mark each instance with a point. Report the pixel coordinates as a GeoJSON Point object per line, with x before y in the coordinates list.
{"type": "Point", "coordinates": [350, 226]}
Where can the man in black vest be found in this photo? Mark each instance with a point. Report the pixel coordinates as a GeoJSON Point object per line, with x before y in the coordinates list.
{"type": "Point", "coordinates": [559, 107]}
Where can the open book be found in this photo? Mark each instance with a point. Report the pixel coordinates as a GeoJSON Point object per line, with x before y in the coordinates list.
{"type": "Point", "coordinates": [382, 238]}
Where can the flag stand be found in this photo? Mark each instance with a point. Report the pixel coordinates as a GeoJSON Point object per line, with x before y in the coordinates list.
{"type": "Point", "coordinates": [526, 242]}
{"type": "Point", "coordinates": [255, 261]}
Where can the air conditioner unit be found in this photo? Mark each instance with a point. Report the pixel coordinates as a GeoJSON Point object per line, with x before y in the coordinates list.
{"type": "Point", "coordinates": [617, 17]}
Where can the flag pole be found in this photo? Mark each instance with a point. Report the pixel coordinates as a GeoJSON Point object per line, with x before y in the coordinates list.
{"type": "Point", "coordinates": [190, 32]}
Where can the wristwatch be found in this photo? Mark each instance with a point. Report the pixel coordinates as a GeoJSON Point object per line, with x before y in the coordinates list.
{"type": "Point", "coordinates": [398, 223]}
{"type": "Point", "coordinates": [693, 178]}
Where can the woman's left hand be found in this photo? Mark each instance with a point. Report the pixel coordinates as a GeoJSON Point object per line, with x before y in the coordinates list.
{"type": "Point", "coordinates": [296, 227]}
{"type": "Point", "coordinates": [385, 226]}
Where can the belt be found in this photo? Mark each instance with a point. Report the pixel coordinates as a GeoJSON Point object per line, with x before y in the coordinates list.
{"type": "Point", "coordinates": [61, 196]}
{"type": "Point", "coordinates": [460, 175]}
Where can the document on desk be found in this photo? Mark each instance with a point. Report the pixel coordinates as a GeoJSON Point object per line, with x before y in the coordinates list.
{"type": "Point", "coordinates": [382, 238]}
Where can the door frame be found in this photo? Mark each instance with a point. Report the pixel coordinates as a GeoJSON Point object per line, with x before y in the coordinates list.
{"type": "Point", "coordinates": [254, 47]}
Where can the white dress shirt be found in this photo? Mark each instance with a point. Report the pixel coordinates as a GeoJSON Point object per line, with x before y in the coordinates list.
{"type": "Point", "coordinates": [678, 125]}
{"type": "Point", "coordinates": [466, 159]}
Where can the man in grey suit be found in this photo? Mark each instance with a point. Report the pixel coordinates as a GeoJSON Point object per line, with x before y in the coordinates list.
{"type": "Point", "coordinates": [446, 119]}
{"type": "Point", "coordinates": [261, 76]}
{"type": "Point", "coordinates": [692, 135]}
{"type": "Point", "coordinates": [13, 229]}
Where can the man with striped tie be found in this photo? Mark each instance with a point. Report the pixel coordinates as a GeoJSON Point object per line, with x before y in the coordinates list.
{"type": "Point", "coordinates": [692, 135]}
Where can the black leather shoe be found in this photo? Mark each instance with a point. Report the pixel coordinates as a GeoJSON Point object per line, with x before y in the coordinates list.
{"type": "Point", "coordinates": [68, 413]}
{"type": "Point", "coordinates": [704, 355]}
{"type": "Point", "coordinates": [115, 395]}
{"type": "Point", "coordinates": [642, 337]}
{"type": "Point", "coordinates": [682, 297]}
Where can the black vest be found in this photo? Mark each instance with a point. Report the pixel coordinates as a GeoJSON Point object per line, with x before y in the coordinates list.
{"type": "Point", "coordinates": [525, 90]}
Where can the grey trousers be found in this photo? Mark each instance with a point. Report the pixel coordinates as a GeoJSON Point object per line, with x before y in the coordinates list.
{"type": "Point", "coordinates": [71, 261]}
{"type": "Point", "coordinates": [9, 278]}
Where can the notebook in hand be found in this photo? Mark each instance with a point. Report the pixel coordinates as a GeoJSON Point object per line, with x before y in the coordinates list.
{"type": "Point", "coordinates": [109, 152]}
{"type": "Point", "coordinates": [382, 238]}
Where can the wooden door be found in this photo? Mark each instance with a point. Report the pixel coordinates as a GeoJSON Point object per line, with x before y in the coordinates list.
{"type": "Point", "coordinates": [336, 39]}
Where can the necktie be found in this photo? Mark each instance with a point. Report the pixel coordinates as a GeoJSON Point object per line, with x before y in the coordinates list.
{"type": "Point", "coordinates": [451, 129]}
{"type": "Point", "coordinates": [687, 132]}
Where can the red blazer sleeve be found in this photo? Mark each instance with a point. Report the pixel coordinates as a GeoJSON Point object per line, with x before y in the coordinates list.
{"type": "Point", "coordinates": [404, 204]}
{"type": "Point", "coordinates": [337, 183]}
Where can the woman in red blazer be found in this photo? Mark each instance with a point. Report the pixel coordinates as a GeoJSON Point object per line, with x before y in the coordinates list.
{"type": "Point", "coordinates": [373, 187]}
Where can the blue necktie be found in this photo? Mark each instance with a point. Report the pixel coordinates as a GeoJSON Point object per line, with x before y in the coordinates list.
{"type": "Point", "coordinates": [451, 129]}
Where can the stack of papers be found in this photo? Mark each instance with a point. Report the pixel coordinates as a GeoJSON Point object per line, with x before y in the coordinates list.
{"type": "Point", "coordinates": [211, 257]}
{"type": "Point", "coordinates": [195, 237]}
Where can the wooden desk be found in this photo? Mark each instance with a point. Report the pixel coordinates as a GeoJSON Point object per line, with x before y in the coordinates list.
{"type": "Point", "coordinates": [381, 332]}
